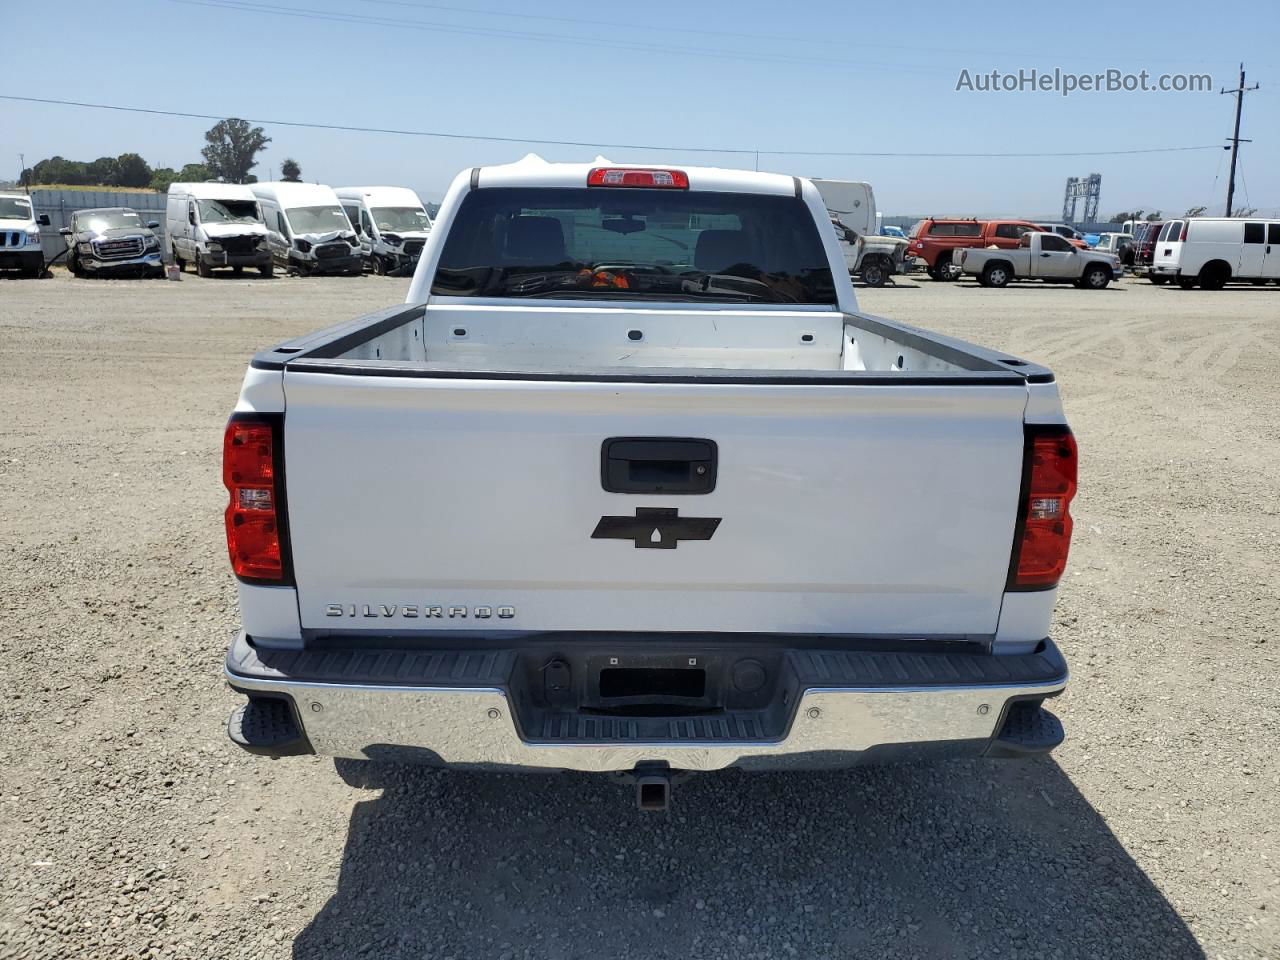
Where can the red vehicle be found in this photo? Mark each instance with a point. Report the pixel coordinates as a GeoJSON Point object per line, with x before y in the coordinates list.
{"type": "Point", "coordinates": [1144, 247]}
{"type": "Point", "coordinates": [934, 239]}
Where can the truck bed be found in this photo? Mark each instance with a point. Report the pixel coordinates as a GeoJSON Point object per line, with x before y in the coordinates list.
{"type": "Point", "coordinates": [457, 452]}
{"type": "Point", "coordinates": [550, 343]}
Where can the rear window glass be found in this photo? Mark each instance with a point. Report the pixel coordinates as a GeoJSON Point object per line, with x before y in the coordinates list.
{"type": "Point", "coordinates": [634, 244]}
{"type": "Point", "coordinates": [1012, 231]}
{"type": "Point", "coordinates": [970, 228]}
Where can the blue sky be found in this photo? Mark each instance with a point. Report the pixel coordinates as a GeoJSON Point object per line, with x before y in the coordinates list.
{"type": "Point", "coordinates": [745, 74]}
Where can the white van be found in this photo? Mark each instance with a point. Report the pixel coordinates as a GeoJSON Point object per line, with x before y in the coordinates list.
{"type": "Point", "coordinates": [307, 229]}
{"type": "Point", "coordinates": [215, 225]}
{"type": "Point", "coordinates": [20, 247]}
{"type": "Point", "coordinates": [1212, 250]}
{"type": "Point", "coordinates": [392, 223]}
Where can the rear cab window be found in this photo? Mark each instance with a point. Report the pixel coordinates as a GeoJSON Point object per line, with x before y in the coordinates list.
{"type": "Point", "coordinates": [1012, 231]}
{"type": "Point", "coordinates": [550, 242]}
{"type": "Point", "coordinates": [965, 228]}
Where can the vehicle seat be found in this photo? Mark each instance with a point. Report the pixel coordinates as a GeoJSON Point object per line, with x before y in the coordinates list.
{"type": "Point", "coordinates": [718, 250]}
{"type": "Point", "coordinates": [535, 240]}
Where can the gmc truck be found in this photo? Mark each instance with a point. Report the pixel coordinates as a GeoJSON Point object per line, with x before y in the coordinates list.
{"type": "Point", "coordinates": [630, 485]}
{"type": "Point", "coordinates": [1041, 256]}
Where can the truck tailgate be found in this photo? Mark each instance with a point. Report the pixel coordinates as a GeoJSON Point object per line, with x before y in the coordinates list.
{"type": "Point", "coordinates": [444, 504]}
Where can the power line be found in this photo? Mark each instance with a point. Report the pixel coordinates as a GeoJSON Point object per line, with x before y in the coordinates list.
{"type": "Point", "coordinates": [612, 41]}
{"type": "Point", "coordinates": [588, 143]}
{"type": "Point", "coordinates": [666, 26]}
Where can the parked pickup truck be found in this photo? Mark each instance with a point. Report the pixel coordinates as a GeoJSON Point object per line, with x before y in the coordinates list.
{"type": "Point", "coordinates": [112, 242]}
{"type": "Point", "coordinates": [1041, 256]}
{"type": "Point", "coordinates": [20, 244]}
{"type": "Point", "coordinates": [629, 484]}
{"type": "Point", "coordinates": [871, 257]}
{"type": "Point", "coordinates": [937, 241]}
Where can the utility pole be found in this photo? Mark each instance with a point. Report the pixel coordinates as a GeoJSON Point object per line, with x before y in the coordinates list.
{"type": "Point", "coordinates": [1235, 140]}
{"type": "Point", "coordinates": [22, 166]}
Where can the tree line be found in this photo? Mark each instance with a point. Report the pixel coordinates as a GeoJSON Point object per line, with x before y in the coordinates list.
{"type": "Point", "coordinates": [1155, 215]}
{"type": "Point", "coordinates": [230, 153]}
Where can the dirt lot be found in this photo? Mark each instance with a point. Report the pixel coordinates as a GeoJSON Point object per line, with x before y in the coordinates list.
{"type": "Point", "coordinates": [130, 827]}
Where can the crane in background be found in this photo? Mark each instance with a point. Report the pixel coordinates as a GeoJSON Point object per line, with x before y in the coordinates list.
{"type": "Point", "coordinates": [1087, 188]}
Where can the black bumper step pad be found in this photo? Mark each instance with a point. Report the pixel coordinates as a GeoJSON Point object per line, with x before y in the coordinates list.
{"type": "Point", "coordinates": [266, 726]}
{"type": "Point", "coordinates": [1028, 730]}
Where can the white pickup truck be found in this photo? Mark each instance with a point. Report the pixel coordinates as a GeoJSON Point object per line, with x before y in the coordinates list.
{"type": "Point", "coordinates": [1041, 256]}
{"type": "Point", "coordinates": [629, 484]}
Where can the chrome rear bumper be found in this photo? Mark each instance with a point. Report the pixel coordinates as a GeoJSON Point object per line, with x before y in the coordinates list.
{"type": "Point", "coordinates": [475, 726]}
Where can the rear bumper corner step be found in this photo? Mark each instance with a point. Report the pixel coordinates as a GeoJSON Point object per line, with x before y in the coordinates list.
{"type": "Point", "coordinates": [266, 726]}
{"type": "Point", "coordinates": [1028, 730]}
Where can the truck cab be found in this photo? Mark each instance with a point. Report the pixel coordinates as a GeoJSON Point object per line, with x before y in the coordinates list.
{"type": "Point", "coordinates": [392, 224]}
{"type": "Point", "coordinates": [20, 244]}
{"type": "Point", "coordinates": [1072, 235]}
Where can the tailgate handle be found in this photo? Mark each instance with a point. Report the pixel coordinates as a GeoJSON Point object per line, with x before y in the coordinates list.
{"type": "Point", "coordinates": [671, 465]}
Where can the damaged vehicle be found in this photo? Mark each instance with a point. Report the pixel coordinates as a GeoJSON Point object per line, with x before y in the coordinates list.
{"type": "Point", "coordinates": [871, 257]}
{"type": "Point", "coordinates": [392, 223]}
{"type": "Point", "coordinates": [307, 230]}
{"type": "Point", "coordinates": [212, 225]}
{"type": "Point", "coordinates": [112, 242]}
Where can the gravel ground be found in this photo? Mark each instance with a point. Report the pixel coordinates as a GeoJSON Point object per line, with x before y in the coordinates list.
{"type": "Point", "coordinates": [129, 827]}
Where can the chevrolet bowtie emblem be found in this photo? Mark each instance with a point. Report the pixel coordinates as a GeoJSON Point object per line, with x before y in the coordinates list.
{"type": "Point", "coordinates": [656, 528]}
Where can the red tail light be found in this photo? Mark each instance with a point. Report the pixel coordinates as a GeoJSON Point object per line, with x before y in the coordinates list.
{"type": "Point", "coordinates": [1043, 536]}
{"type": "Point", "coordinates": [251, 473]}
{"type": "Point", "coordinates": [638, 177]}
